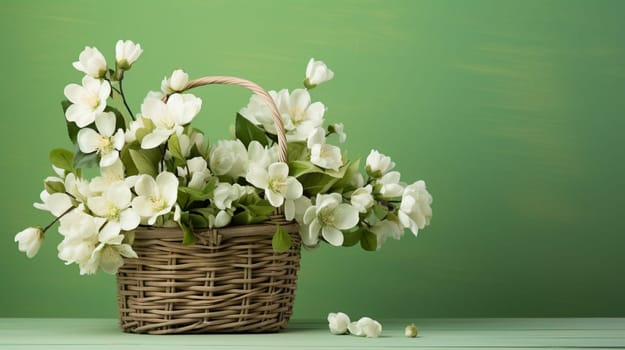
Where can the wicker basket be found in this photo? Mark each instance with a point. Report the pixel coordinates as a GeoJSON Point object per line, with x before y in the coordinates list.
{"type": "Point", "coordinates": [231, 280]}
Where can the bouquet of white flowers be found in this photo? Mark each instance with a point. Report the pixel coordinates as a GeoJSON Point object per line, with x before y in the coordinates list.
{"type": "Point", "coordinates": [157, 170]}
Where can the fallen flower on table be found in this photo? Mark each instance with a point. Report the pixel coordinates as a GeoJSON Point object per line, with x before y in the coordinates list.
{"type": "Point", "coordinates": [338, 322]}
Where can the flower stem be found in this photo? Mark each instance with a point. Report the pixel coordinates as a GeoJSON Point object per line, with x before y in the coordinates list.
{"type": "Point", "coordinates": [57, 219]}
{"type": "Point", "coordinates": [121, 92]}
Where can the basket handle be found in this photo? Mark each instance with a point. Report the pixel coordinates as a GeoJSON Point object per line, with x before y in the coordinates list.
{"type": "Point", "coordinates": [255, 88]}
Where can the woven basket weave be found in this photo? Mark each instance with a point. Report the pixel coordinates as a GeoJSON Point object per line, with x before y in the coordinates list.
{"type": "Point", "coordinates": [231, 280]}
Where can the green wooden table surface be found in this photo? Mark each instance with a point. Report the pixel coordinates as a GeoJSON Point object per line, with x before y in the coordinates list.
{"type": "Point", "coordinates": [516, 333]}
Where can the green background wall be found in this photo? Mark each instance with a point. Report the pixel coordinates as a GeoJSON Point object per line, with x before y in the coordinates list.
{"type": "Point", "coordinates": [512, 111]}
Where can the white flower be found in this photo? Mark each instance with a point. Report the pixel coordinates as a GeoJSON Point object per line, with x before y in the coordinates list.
{"type": "Point", "coordinates": [278, 185]}
{"type": "Point", "coordinates": [198, 170]}
{"type": "Point", "coordinates": [229, 157]}
{"type": "Point", "coordinates": [114, 206]}
{"type": "Point", "coordinates": [321, 154]}
{"type": "Point", "coordinates": [339, 130]}
{"type": "Point", "coordinates": [176, 83]}
{"type": "Point", "coordinates": [299, 116]}
{"type": "Point", "coordinates": [261, 156]}
{"type": "Point", "coordinates": [316, 73]}
{"type": "Point", "coordinates": [168, 118]}
{"type": "Point", "coordinates": [301, 205]}
{"type": "Point", "coordinates": [187, 142]}
{"type": "Point", "coordinates": [126, 53]}
{"type": "Point", "coordinates": [365, 327]}
{"type": "Point", "coordinates": [362, 198]}
{"type": "Point", "coordinates": [222, 219]}
{"type": "Point", "coordinates": [78, 187]}
{"type": "Point", "coordinates": [415, 211]}
{"type": "Point", "coordinates": [107, 255]}
{"type": "Point", "coordinates": [338, 322]}
{"type": "Point", "coordinates": [225, 194]}
{"type": "Point", "coordinates": [106, 142]}
{"type": "Point", "coordinates": [87, 100]}
{"type": "Point", "coordinates": [56, 203]}
{"type": "Point", "coordinates": [378, 164]}
{"type": "Point", "coordinates": [133, 127]}
{"type": "Point", "coordinates": [385, 229]}
{"type": "Point", "coordinates": [316, 136]}
{"type": "Point", "coordinates": [259, 113]}
{"type": "Point", "coordinates": [155, 198]}
{"type": "Point", "coordinates": [329, 216]}
{"type": "Point", "coordinates": [91, 62]}
{"type": "Point", "coordinates": [389, 185]}
{"type": "Point", "coordinates": [80, 232]}
{"type": "Point", "coordinates": [326, 156]}
{"type": "Point", "coordinates": [109, 175]}
{"type": "Point", "coordinates": [29, 240]}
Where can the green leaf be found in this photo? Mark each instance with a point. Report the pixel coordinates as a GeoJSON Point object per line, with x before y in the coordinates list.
{"type": "Point", "coordinates": [194, 193]}
{"type": "Point", "coordinates": [340, 174]}
{"type": "Point", "coordinates": [297, 150]}
{"type": "Point", "coordinates": [350, 238]}
{"type": "Point", "coordinates": [281, 241]}
{"type": "Point", "coordinates": [248, 132]}
{"type": "Point", "coordinates": [298, 168]}
{"type": "Point", "coordinates": [247, 217]}
{"type": "Point", "coordinates": [62, 158]}
{"type": "Point", "coordinates": [344, 184]}
{"type": "Point", "coordinates": [143, 163]}
{"type": "Point", "coordinates": [173, 144]}
{"type": "Point", "coordinates": [369, 241]}
{"type": "Point", "coordinates": [380, 211]}
{"type": "Point", "coordinates": [83, 160]}
{"type": "Point", "coordinates": [188, 236]}
{"type": "Point", "coordinates": [317, 183]}
{"type": "Point", "coordinates": [129, 165]}
{"type": "Point", "coordinates": [148, 126]}
{"type": "Point", "coordinates": [72, 128]}
{"type": "Point", "coordinates": [54, 187]}
{"type": "Point", "coordinates": [198, 221]}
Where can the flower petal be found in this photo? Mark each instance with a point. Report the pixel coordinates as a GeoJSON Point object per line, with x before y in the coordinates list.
{"type": "Point", "coordinates": [156, 138]}
{"type": "Point", "coordinates": [88, 140]}
{"type": "Point", "coordinates": [145, 186]}
{"type": "Point", "coordinates": [332, 235]}
{"type": "Point", "coordinates": [278, 170]}
{"type": "Point", "coordinates": [58, 203]}
{"type": "Point", "coordinates": [346, 216]}
{"type": "Point", "coordinates": [74, 93]}
{"type": "Point", "coordinates": [294, 188]}
{"type": "Point", "coordinates": [257, 176]}
{"type": "Point", "coordinates": [129, 219]}
{"type": "Point", "coordinates": [274, 198]}
{"type": "Point", "coordinates": [100, 206]}
{"type": "Point", "coordinates": [167, 184]}
{"type": "Point", "coordinates": [105, 123]}
{"type": "Point", "coordinates": [289, 209]}
{"type": "Point", "coordinates": [107, 159]}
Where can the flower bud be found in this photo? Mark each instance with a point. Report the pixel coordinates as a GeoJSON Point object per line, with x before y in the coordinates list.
{"type": "Point", "coordinates": [126, 53]}
{"type": "Point", "coordinates": [378, 164]}
{"type": "Point", "coordinates": [411, 331]}
{"type": "Point", "coordinates": [316, 73]}
{"type": "Point", "coordinates": [176, 83]}
{"type": "Point", "coordinates": [29, 240]}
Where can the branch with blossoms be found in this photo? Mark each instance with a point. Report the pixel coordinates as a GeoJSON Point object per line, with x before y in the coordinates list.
{"type": "Point", "coordinates": [156, 169]}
